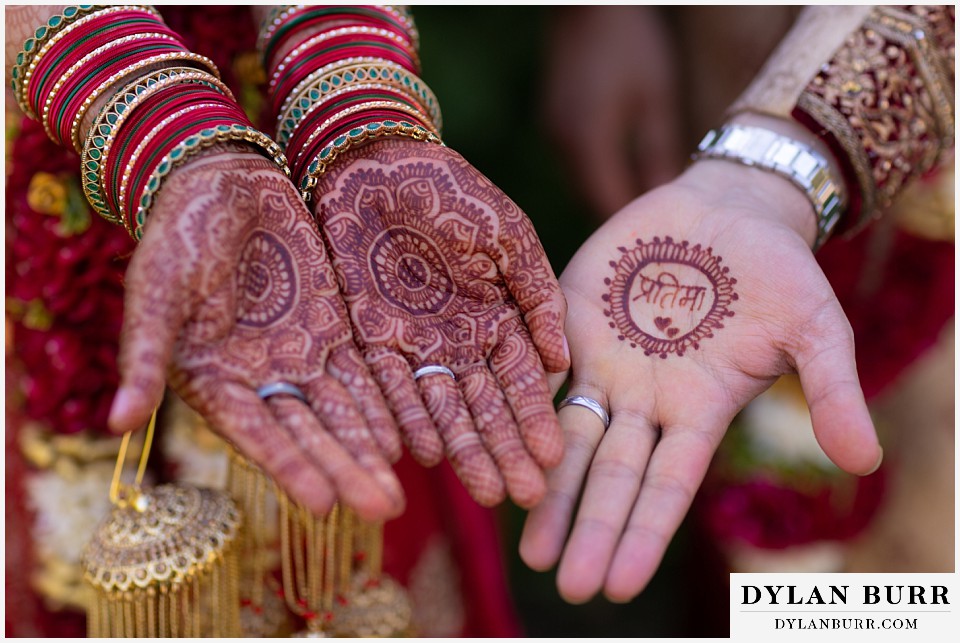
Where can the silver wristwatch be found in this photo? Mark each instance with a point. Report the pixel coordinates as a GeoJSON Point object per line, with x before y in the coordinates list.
{"type": "Point", "coordinates": [800, 164]}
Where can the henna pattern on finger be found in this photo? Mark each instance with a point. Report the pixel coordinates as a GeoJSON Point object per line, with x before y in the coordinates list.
{"type": "Point", "coordinates": [667, 297]}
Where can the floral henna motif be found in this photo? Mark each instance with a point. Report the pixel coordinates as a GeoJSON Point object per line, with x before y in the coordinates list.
{"type": "Point", "coordinates": [437, 266]}
{"type": "Point", "coordinates": [262, 305]}
{"type": "Point", "coordinates": [667, 297]}
{"type": "Point", "coordinates": [266, 281]}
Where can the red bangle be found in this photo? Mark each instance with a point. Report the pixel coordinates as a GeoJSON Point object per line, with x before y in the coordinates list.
{"type": "Point", "coordinates": [334, 37]}
{"type": "Point", "coordinates": [100, 29]}
{"type": "Point", "coordinates": [146, 124]}
{"type": "Point", "coordinates": [296, 20]}
{"type": "Point", "coordinates": [60, 111]}
{"type": "Point", "coordinates": [311, 148]}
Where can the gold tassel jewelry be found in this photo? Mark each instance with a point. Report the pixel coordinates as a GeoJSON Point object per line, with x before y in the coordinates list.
{"type": "Point", "coordinates": [331, 565]}
{"type": "Point", "coordinates": [310, 557]}
{"type": "Point", "coordinates": [262, 611]}
{"type": "Point", "coordinates": [164, 562]}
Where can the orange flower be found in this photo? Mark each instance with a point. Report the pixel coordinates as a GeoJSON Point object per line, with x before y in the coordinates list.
{"type": "Point", "coordinates": [47, 194]}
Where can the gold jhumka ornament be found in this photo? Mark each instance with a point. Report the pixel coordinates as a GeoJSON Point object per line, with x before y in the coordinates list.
{"type": "Point", "coordinates": [331, 574]}
{"type": "Point", "coordinates": [373, 605]}
{"type": "Point", "coordinates": [164, 562]}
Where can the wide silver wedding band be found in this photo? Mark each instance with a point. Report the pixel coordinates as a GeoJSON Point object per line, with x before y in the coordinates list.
{"type": "Point", "coordinates": [433, 369]}
{"type": "Point", "coordinates": [588, 403]}
{"type": "Point", "coordinates": [280, 388]}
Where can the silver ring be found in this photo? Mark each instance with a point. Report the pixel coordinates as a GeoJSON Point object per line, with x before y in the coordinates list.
{"type": "Point", "coordinates": [280, 388]}
{"type": "Point", "coordinates": [433, 369]}
{"type": "Point", "coordinates": [588, 403]}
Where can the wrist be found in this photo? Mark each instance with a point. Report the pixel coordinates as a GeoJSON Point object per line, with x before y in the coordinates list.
{"type": "Point", "coordinates": [754, 192]}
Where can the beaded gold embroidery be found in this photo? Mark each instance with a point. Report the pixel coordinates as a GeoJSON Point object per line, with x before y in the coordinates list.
{"type": "Point", "coordinates": [886, 97]}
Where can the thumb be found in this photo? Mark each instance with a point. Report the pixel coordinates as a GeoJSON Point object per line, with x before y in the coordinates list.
{"type": "Point", "coordinates": [841, 420]}
{"type": "Point", "coordinates": [154, 310]}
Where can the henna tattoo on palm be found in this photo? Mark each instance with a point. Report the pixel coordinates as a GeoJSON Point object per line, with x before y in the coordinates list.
{"type": "Point", "coordinates": [437, 266]}
{"type": "Point", "coordinates": [667, 297]}
{"type": "Point", "coordinates": [261, 306]}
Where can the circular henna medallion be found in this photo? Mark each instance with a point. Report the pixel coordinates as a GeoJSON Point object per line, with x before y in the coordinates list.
{"type": "Point", "coordinates": [266, 280]}
{"type": "Point", "coordinates": [410, 272]}
{"type": "Point", "coordinates": [667, 297]}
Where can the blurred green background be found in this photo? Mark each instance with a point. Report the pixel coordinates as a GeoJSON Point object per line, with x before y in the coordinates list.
{"type": "Point", "coordinates": [485, 65]}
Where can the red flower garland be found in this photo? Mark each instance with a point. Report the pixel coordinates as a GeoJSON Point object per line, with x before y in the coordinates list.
{"type": "Point", "coordinates": [69, 359]}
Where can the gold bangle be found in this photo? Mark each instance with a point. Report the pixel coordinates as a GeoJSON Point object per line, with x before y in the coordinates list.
{"type": "Point", "coordinates": [381, 129]}
{"type": "Point", "coordinates": [326, 69]}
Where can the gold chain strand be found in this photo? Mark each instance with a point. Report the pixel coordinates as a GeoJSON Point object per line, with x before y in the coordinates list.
{"type": "Point", "coordinates": [314, 560]}
{"type": "Point", "coordinates": [162, 613]}
{"type": "Point", "coordinates": [172, 600]}
{"type": "Point", "coordinates": [114, 620]}
{"type": "Point", "coordinates": [197, 610]}
{"type": "Point", "coordinates": [235, 590]}
{"type": "Point", "coordinates": [93, 621]}
{"type": "Point", "coordinates": [285, 554]}
{"type": "Point", "coordinates": [259, 532]}
{"type": "Point", "coordinates": [346, 549]}
{"type": "Point", "coordinates": [140, 625]}
{"type": "Point", "coordinates": [298, 552]}
{"type": "Point", "coordinates": [376, 550]}
{"type": "Point", "coordinates": [330, 556]}
{"type": "Point", "coordinates": [152, 613]}
{"type": "Point", "coordinates": [128, 622]}
{"type": "Point", "coordinates": [215, 583]}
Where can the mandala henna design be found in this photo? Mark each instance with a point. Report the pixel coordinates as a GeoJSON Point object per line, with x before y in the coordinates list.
{"type": "Point", "coordinates": [420, 240]}
{"type": "Point", "coordinates": [266, 280]}
{"type": "Point", "coordinates": [667, 297]}
{"type": "Point", "coordinates": [437, 266]}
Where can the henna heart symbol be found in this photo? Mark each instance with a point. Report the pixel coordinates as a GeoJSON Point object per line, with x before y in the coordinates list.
{"type": "Point", "coordinates": [672, 332]}
{"type": "Point", "coordinates": [662, 322]}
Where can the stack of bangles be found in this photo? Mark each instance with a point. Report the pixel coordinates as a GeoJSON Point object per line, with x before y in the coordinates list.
{"type": "Point", "coordinates": [163, 103]}
{"type": "Point", "coordinates": [339, 76]}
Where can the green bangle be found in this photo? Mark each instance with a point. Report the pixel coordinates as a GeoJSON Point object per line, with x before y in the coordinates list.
{"type": "Point", "coordinates": [378, 129]}
{"type": "Point", "coordinates": [303, 99]}
{"type": "Point", "coordinates": [190, 146]}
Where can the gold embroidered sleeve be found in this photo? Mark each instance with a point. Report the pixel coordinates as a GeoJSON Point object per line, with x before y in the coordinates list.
{"type": "Point", "coordinates": [885, 103]}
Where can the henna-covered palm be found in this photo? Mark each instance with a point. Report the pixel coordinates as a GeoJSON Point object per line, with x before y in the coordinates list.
{"type": "Point", "coordinates": [231, 289]}
{"type": "Point", "coordinates": [438, 266]}
{"type": "Point", "coordinates": [683, 307]}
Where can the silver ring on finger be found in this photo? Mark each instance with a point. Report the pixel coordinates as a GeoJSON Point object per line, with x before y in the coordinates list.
{"type": "Point", "coordinates": [587, 403]}
{"type": "Point", "coordinates": [280, 388]}
{"type": "Point", "coordinates": [433, 369]}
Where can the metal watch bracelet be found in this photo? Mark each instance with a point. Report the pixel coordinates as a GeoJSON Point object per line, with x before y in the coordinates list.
{"type": "Point", "coordinates": [800, 164]}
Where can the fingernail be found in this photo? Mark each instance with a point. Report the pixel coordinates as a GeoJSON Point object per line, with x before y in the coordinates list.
{"type": "Point", "coordinates": [121, 406]}
{"type": "Point", "coordinates": [566, 349]}
{"type": "Point", "coordinates": [877, 465]}
{"type": "Point", "coordinates": [391, 487]}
